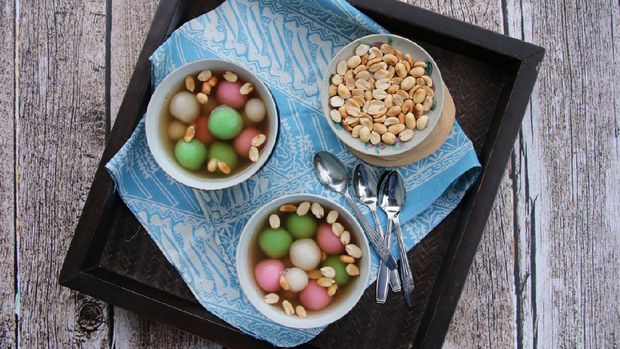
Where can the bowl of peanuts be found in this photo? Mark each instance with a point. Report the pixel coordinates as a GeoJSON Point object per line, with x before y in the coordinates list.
{"type": "Point", "coordinates": [382, 95]}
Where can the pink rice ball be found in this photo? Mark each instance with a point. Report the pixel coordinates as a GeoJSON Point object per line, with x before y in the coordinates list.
{"type": "Point", "coordinates": [327, 241]}
{"type": "Point", "coordinates": [243, 142]}
{"type": "Point", "coordinates": [202, 130]}
{"type": "Point", "coordinates": [314, 297]}
{"type": "Point", "coordinates": [267, 274]}
{"type": "Point", "coordinates": [228, 93]}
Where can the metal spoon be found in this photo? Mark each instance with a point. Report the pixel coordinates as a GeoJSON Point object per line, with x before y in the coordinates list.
{"type": "Point", "coordinates": [332, 173]}
{"type": "Point", "coordinates": [394, 278]}
{"type": "Point", "coordinates": [392, 194]}
{"type": "Point", "coordinates": [365, 187]}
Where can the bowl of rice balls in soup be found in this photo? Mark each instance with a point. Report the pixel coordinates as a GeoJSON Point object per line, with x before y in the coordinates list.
{"type": "Point", "coordinates": [303, 261]}
{"type": "Point", "coordinates": [211, 124]}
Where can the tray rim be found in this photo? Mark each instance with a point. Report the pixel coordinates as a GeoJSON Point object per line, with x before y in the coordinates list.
{"type": "Point", "coordinates": [82, 271]}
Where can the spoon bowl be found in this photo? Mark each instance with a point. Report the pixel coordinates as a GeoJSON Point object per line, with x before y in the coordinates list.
{"type": "Point", "coordinates": [392, 193]}
{"type": "Point", "coordinates": [365, 185]}
{"type": "Point", "coordinates": [332, 173]}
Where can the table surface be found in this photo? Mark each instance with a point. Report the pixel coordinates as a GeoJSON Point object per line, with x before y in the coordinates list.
{"type": "Point", "coordinates": [547, 272]}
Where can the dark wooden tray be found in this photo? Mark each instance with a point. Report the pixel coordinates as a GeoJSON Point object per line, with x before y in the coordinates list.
{"type": "Point", "coordinates": [490, 77]}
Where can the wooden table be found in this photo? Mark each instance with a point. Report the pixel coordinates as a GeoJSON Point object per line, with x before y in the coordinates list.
{"type": "Point", "coordinates": [547, 270]}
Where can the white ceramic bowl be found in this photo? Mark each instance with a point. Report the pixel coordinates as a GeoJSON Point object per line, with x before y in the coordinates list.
{"type": "Point", "coordinates": [405, 46]}
{"type": "Point", "coordinates": [245, 268]}
{"type": "Point", "coordinates": [158, 109]}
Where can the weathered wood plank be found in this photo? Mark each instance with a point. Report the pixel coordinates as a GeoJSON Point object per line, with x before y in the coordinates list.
{"type": "Point", "coordinates": [486, 14]}
{"type": "Point", "coordinates": [135, 331]}
{"type": "Point", "coordinates": [568, 183]}
{"type": "Point", "coordinates": [7, 174]}
{"type": "Point", "coordinates": [130, 23]}
{"type": "Point", "coordinates": [60, 136]}
{"type": "Point", "coordinates": [484, 315]}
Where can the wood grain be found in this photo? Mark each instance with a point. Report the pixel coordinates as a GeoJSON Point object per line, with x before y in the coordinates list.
{"type": "Point", "coordinates": [484, 316]}
{"type": "Point", "coordinates": [130, 23]}
{"type": "Point", "coordinates": [486, 14]}
{"type": "Point", "coordinates": [7, 174]}
{"type": "Point", "coordinates": [547, 271]}
{"type": "Point", "coordinates": [60, 136]}
{"type": "Point", "coordinates": [134, 331]}
{"type": "Point", "coordinates": [567, 182]}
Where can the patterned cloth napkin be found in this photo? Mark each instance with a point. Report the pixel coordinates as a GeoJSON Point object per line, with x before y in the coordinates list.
{"type": "Point", "coordinates": [287, 44]}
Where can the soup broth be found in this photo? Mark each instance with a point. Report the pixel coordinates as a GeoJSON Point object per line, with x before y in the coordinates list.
{"type": "Point", "coordinates": [272, 250]}
{"type": "Point", "coordinates": [199, 144]}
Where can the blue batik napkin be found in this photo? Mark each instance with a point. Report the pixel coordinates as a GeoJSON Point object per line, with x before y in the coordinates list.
{"type": "Point", "coordinates": [288, 44]}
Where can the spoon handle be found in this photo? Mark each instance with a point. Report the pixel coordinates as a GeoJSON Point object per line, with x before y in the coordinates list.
{"type": "Point", "coordinates": [375, 217]}
{"type": "Point", "coordinates": [394, 277]}
{"type": "Point", "coordinates": [405, 269]}
{"type": "Point", "coordinates": [382, 281]}
{"type": "Point", "coordinates": [374, 237]}
{"type": "Point", "coordinates": [383, 275]}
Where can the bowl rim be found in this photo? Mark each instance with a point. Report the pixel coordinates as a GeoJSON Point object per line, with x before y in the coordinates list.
{"type": "Point", "coordinates": [254, 295]}
{"type": "Point", "coordinates": [159, 99]}
{"type": "Point", "coordinates": [355, 143]}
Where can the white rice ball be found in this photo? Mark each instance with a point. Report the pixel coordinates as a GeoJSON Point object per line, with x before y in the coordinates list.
{"type": "Point", "coordinates": [255, 110]}
{"type": "Point", "coordinates": [297, 279]}
{"type": "Point", "coordinates": [184, 106]}
{"type": "Point", "coordinates": [305, 254]}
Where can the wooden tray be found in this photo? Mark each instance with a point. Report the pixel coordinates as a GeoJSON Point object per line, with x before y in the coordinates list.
{"type": "Point", "coordinates": [490, 76]}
